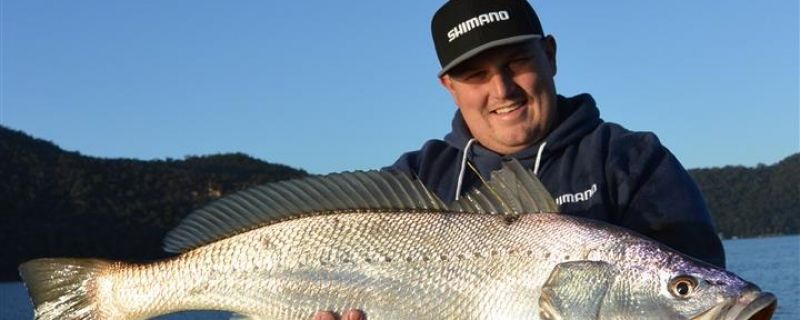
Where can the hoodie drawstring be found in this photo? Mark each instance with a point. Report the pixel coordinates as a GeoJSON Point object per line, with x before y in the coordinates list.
{"type": "Point", "coordinates": [463, 166]}
{"type": "Point", "coordinates": [538, 158]}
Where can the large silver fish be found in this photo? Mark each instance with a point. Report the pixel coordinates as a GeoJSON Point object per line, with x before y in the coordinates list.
{"type": "Point", "coordinates": [382, 243]}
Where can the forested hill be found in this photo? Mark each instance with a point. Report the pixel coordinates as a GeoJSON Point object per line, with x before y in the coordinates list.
{"type": "Point", "coordinates": [59, 203]}
{"type": "Point", "coordinates": [753, 201]}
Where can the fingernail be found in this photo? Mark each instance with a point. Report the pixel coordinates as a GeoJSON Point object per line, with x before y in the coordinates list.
{"type": "Point", "coordinates": [354, 315]}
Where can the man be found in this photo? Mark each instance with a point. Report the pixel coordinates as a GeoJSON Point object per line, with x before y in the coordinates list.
{"type": "Point", "coordinates": [499, 67]}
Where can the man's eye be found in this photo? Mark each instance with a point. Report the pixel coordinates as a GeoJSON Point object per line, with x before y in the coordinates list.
{"type": "Point", "coordinates": [521, 65]}
{"type": "Point", "coordinates": [520, 61]}
{"type": "Point", "coordinates": [474, 76]}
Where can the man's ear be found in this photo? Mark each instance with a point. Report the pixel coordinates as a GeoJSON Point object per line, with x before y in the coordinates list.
{"type": "Point", "coordinates": [447, 83]}
{"type": "Point", "coordinates": [550, 51]}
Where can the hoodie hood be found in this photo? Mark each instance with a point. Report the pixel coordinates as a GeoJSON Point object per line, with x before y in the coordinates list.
{"type": "Point", "coordinates": [577, 117]}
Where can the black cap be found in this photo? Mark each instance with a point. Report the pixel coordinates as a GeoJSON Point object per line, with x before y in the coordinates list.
{"type": "Point", "coordinates": [463, 28]}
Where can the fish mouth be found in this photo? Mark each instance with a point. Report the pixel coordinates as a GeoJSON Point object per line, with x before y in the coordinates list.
{"type": "Point", "coordinates": [752, 305]}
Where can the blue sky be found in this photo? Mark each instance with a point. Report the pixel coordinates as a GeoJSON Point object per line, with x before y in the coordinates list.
{"type": "Point", "coordinates": [332, 86]}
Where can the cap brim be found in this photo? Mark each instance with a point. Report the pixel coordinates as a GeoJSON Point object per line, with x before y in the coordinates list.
{"type": "Point", "coordinates": [475, 51]}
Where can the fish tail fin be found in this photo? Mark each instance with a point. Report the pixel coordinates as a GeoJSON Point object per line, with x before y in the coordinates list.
{"type": "Point", "coordinates": [64, 288]}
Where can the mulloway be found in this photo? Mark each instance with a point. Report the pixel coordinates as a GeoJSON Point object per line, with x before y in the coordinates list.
{"type": "Point", "coordinates": [381, 242]}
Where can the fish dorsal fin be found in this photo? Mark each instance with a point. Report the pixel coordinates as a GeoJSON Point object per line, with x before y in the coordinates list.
{"type": "Point", "coordinates": [285, 200]}
{"type": "Point", "coordinates": [511, 190]}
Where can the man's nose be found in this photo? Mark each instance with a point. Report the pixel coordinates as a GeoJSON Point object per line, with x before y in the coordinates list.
{"type": "Point", "coordinates": [502, 83]}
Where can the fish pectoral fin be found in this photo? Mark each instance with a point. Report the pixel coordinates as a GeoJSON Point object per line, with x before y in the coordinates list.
{"type": "Point", "coordinates": [575, 290]}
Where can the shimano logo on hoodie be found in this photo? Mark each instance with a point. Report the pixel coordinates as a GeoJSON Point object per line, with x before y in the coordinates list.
{"type": "Point", "coordinates": [577, 197]}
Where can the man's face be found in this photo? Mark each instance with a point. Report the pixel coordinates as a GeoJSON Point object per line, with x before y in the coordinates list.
{"type": "Point", "coordinates": [506, 94]}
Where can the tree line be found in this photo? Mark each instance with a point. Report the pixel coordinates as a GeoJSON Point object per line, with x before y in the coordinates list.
{"type": "Point", "coordinates": [753, 201]}
{"type": "Point", "coordinates": [56, 203]}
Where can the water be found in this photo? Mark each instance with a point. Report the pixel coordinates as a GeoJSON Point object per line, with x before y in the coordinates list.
{"type": "Point", "coordinates": [772, 263]}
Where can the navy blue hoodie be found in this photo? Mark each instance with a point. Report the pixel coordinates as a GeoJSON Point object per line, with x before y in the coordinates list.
{"type": "Point", "coordinates": [594, 169]}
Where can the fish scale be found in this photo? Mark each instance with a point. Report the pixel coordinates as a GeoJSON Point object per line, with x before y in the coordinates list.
{"type": "Point", "coordinates": [428, 261]}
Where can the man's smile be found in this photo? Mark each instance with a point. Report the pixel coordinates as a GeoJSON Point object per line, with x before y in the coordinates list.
{"type": "Point", "coordinates": [508, 110]}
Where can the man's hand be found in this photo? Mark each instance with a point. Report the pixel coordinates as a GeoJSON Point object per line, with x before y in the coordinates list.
{"type": "Point", "coordinates": [348, 315]}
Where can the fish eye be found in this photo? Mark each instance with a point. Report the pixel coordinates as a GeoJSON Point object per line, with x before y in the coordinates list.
{"type": "Point", "coordinates": [682, 287]}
